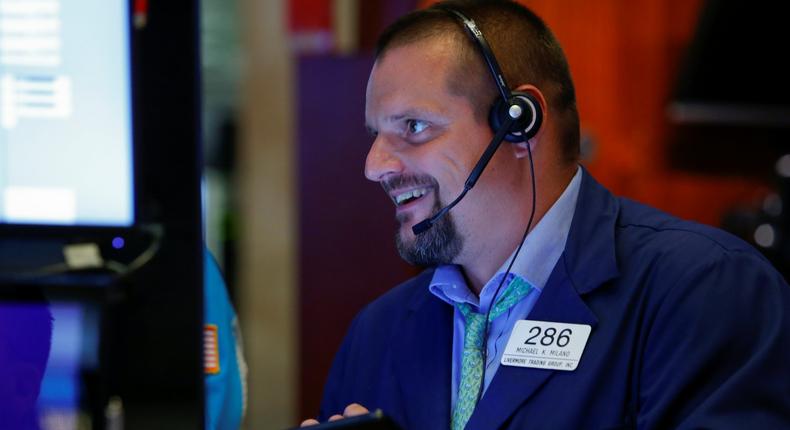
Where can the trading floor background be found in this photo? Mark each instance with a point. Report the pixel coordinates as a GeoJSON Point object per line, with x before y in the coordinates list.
{"type": "Point", "coordinates": [303, 237]}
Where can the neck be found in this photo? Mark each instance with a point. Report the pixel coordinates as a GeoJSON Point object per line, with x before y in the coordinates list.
{"type": "Point", "coordinates": [495, 252]}
{"type": "Point", "coordinates": [493, 247]}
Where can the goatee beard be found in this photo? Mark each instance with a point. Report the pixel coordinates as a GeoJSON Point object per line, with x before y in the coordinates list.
{"type": "Point", "coordinates": [440, 244]}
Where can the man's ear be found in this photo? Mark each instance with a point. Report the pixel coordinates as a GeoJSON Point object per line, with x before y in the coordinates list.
{"type": "Point", "coordinates": [520, 148]}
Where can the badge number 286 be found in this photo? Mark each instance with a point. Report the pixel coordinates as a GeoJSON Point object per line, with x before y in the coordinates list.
{"type": "Point", "coordinates": [546, 345]}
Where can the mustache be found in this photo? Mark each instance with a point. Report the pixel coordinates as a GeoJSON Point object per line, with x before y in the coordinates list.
{"type": "Point", "coordinates": [403, 181]}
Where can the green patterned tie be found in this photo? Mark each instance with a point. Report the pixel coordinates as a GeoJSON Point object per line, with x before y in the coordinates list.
{"type": "Point", "coordinates": [472, 359]}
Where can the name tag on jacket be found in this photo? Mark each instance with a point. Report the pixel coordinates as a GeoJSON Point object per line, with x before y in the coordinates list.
{"type": "Point", "coordinates": [546, 345]}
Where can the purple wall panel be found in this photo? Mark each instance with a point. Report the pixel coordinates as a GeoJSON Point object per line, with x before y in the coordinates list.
{"type": "Point", "coordinates": [347, 255]}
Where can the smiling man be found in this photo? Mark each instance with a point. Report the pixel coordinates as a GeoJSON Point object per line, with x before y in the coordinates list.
{"type": "Point", "coordinates": [547, 302]}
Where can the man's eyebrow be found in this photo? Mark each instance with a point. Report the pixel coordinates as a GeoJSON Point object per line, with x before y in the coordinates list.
{"type": "Point", "coordinates": [411, 113]}
{"type": "Point", "coordinates": [415, 113]}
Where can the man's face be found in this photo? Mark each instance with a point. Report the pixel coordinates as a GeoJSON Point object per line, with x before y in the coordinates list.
{"type": "Point", "coordinates": [427, 140]}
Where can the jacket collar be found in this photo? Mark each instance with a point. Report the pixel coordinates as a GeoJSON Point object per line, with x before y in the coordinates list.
{"type": "Point", "coordinates": [590, 254]}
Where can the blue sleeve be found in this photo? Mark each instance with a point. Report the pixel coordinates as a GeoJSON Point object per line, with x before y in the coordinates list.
{"type": "Point", "coordinates": [336, 391]}
{"type": "Point", "coordinates": [225, 369]}
{"type": "Point", "coordinates": [717, 349]}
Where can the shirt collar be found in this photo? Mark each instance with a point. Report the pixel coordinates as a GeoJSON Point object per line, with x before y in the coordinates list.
{"type": "Point", "coordinates": [542, 249]}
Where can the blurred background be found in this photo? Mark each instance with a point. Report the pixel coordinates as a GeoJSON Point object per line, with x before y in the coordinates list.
{"type": "Point", "coordinates": [684, 106]}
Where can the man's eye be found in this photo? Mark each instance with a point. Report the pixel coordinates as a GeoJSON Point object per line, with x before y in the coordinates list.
{"type": "Point", "coordinates": [415, 126]}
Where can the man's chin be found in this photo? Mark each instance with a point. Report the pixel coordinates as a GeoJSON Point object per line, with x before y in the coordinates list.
{"type": "Point", "coordinates": [404, 218]}
{"type": "Point", "coordinates": [405, 223]}
{"type": "Point", "coordinates": [405, 235]}
{"type": "Point", "coordinates": [438, 245]}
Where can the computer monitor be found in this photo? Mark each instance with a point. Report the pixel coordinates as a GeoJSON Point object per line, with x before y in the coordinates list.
{"type": "Point", "coordinates": [66, 129]}
{"type": "Point", "coordinates": [99, 148]}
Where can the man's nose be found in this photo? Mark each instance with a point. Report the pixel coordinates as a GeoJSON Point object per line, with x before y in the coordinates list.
{"type": "Point", "coordinates": [382, 160]}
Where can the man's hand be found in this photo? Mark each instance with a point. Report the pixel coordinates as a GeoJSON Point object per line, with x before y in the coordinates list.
{"type": "Point", "coordinates": [351, 410]}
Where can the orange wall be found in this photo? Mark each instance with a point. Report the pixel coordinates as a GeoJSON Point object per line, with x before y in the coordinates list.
{"type": "Point", "coordinates": [624, 55]}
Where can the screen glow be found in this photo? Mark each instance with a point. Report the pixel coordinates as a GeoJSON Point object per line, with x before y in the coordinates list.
{"type": "Point", "coordinates": [65, 113]}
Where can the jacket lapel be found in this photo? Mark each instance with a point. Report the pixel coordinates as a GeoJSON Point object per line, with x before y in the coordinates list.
{"type": "Point", "coordinates": [512, 386]}
{"type": "Point", "coordinates": [423, 361]}
{"type": "Point", "coordinates": [588, 262]}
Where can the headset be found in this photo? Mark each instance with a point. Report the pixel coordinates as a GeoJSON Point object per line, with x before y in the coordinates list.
{"type": "Point", "coordinates": [515, 117]}
{"type": "Point", "coordinates": [524, 126]}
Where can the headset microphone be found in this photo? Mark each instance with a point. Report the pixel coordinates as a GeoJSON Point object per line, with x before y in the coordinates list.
{"type": "Point", "coordinates": [426, 224]}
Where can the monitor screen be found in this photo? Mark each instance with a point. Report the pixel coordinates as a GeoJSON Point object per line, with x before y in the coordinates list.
{"type": "Point", "coordinates": [66, 155]}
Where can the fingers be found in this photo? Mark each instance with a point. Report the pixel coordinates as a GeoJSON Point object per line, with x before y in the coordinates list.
{"type": "Point", "coordinates": [354, 409]}
{"type": "Point", "coordinates": [351, 410]}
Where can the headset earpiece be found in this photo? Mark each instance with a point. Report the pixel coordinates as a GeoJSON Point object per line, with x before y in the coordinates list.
{"type": "Point", "coordinates": [526, 126]}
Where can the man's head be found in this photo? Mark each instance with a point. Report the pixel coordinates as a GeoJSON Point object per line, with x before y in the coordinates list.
{"type": "Point", "coordinates": [428, 100]}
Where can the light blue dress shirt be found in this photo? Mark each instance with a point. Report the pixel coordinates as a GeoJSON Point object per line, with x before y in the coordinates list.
{"type": "Point", "coordinates": [541, 250]}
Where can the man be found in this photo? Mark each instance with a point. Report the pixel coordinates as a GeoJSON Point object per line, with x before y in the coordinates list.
{"type": "Point", "coordinates": [610, 315]}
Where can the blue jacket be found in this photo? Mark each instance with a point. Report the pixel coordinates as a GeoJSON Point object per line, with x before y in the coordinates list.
{"type": "Point", "coordinates": [690, 329]}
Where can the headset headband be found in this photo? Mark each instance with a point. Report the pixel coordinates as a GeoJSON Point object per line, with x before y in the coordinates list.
{"type": "Point", "coordinates": [488, 54]}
